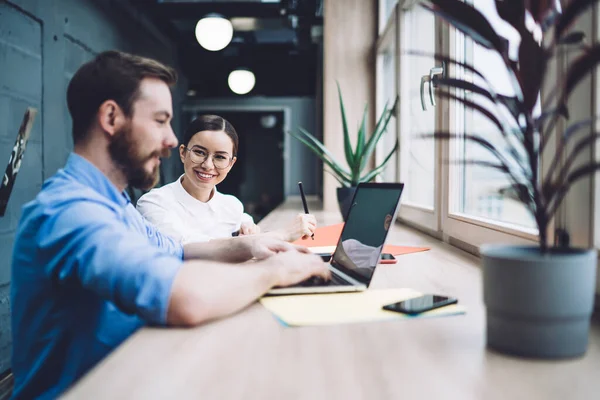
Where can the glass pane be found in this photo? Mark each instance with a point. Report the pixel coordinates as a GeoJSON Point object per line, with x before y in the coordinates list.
{"type": "Point", "coordinates": [417, 155]}
{"type": "Point", "coordinates": [386, 7]}
{"type": "Point", "coordinates": [386, 93]}
{"type": "Point", "coordinates": [478, 187]}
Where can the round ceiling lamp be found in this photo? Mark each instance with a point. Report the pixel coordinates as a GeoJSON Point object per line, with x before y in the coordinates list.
{"type": "Point", "coordinates": [241, 81]}
{"type": "Point", "coordinates": [214, 32]}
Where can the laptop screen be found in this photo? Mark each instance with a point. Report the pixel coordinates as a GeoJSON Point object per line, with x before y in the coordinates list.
{"type": "Point", "coordinates": [372, 212]}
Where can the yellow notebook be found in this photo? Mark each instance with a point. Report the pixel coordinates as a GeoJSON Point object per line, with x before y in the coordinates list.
{"type": "Point", "coordinates": [340, 308]}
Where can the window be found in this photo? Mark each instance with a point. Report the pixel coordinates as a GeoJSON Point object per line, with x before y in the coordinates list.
{"type": "Point", "coordinates": [418, 155]}
{"type": "Point", "coordinates": [386, 10]}
{"type": "Point", "coordinates": [476, 185]}
{"type": "Point", "coordinates": [442, 196]}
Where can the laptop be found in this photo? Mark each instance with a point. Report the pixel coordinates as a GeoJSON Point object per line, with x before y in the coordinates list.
{"type": "Point", "coordinates": [373, 210]}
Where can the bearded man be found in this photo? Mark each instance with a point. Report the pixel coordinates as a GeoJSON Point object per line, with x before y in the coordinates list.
{"type": "Point", "coordinates": [88, 270]}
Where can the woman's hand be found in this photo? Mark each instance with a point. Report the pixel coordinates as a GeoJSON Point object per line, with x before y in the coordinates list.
{"type": "Point", "coordinates": [302, 226]}
{"type": "Point", "coordinates": [248, 228]}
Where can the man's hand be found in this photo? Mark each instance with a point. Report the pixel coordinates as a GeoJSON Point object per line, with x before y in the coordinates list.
{"type": "Point", "coordinates": [297, 265]}
{"type": "Point", "coordinates": [248, 228]}
{"type": "Point", "coordinates": [263, 246]}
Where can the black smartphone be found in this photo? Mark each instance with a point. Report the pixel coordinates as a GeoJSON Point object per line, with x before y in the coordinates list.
{"type": "Point", "coordinates": [420, 304]}
{"type": "Point", "coordinates": [387, 258]}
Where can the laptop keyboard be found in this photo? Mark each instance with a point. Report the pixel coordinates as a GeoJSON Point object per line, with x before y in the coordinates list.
{"type": "Point", "coordinates": [318, 281]}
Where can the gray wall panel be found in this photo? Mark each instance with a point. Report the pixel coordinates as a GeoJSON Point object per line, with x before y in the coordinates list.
{"type": "Point", "coordinates": [42, 44]}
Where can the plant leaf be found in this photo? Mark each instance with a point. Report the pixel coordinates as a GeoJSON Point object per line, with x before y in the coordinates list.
{"type": "Point", "coordinates": [518, 192]}
{"type": "Point", "coordinates": [347, 144]}
{"type": "Point", "coordinates": [337, 178]}
{"type": "Point", "coordinates": [488, 114]}
{"type": "Point", "coordinates": [573, 128]}
{"type": "Point", "coordinates": [362, 133]}
{"type": "Point", "coordinates": [465, 85]}
{"type": "Point", "coordinates": [372, 174]}
{"type": "Point", "coordinates": [561, 110]}
{"type": "Point", "coordinates": [539, 9]}
{"type": "Point", "coordinates": [478, 140]}
{"type": "Point", "coordinates": [320, 146]}
{"type": "Point", "coordinates": [578, 147]}
{"type": "Point", "coordinates": [513, 105]}
{"type": "Point", "coordinates": [569, 15]}
{"type": "Point", "coordinates": [470, 21]}
{"type": "Point", "coordinates": [562, 190]}
{"type": "Point", "coordinates": [579, 69]}
{"type": "Point", "coordinates": [532, 64]}
{"type": "Point", "coordinates": [567, 134]}
{"type": "Point", "coordinates": [316, 147]}
{"type": "Point", "coordinates": [512, 11]}
{"type": "Point", "coordinates": [380, 129]}
{"type": "Point", "coordinates": [481, 163]}
{"type": "Point", "coordinates": [572, 38]}
{"type": "Point", "coordinates": [472, 105]}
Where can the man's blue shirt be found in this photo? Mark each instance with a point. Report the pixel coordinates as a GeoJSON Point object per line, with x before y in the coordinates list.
{"type": "Point", "coordinates": [87, 271]}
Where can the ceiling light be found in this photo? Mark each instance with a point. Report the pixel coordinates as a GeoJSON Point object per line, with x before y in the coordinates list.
{"type": "Point", "coordinates": [214, 32]}
{"type": "Point", "coordinates": [268, 121]}
{"type": "Point", "coordinates": [241, 81]}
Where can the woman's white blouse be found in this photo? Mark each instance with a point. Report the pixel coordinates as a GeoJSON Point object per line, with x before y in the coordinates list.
{"type": "Point", "coordinates": [176, 213]}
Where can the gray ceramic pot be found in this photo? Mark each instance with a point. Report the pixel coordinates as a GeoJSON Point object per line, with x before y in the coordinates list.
{"type": "Point", "coordinates": [538, 305]}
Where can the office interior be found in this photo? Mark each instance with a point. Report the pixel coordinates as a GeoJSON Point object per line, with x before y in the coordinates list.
{"type": "Point", "coordinates": [297, 53]}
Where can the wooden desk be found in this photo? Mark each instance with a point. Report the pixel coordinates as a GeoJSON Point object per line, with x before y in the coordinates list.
{"type": "Point", "coordinates": [251, 356]}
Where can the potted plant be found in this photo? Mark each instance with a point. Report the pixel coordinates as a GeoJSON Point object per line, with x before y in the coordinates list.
{"type": "Point", "coordinates": [357, 158]}
{"type": "Point", "coordinates": [538, 299]}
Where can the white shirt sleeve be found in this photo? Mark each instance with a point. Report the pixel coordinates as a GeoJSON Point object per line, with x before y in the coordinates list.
{"type": "Point", "coordinates": [158, 209]}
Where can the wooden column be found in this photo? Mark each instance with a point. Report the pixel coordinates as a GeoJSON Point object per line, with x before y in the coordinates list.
{"type": "Point", "coordinates": [349, 36]}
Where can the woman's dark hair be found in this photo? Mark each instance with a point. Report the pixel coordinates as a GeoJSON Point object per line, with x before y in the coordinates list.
{"type": "Point", "coordinates": [212, 123]}
{"type": "Point", "coordinates": [111, 75]}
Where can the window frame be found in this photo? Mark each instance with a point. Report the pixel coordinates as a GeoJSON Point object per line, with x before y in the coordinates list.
{"type": "Point", "coordinates": [387, 37]}
{"type": "Point", "coordinates": [420, 216]}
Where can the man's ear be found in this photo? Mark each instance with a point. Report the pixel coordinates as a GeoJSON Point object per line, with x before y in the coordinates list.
{"type": "Point", "coordinates": [110, 117]}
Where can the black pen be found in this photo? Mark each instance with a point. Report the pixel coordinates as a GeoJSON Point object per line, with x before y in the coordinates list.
{"type": "Point", "coordinates": [304, 204]}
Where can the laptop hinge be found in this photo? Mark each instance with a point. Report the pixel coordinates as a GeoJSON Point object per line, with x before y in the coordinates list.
{"type": "Point", "coordinates": [347, 278]}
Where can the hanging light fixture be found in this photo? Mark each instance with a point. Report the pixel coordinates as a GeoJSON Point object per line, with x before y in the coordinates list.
{"type": "Point", "coordinates": [214, 32]}
{"type": "Point", "coordinates": [241, 81]}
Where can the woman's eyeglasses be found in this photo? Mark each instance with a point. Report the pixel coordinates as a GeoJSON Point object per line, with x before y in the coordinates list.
{"type": "Point", "coordinates": [199, 156]}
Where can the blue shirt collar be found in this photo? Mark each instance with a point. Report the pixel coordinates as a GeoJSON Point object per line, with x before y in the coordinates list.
{"type": "Point", "coordinates": [88, 174]}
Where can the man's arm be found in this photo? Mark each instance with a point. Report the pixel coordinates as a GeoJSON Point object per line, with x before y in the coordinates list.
{"type": "Point", "coordinates": [88, 246]}
{"type": "Point", "coordinates": [207, 290]}
{"type": "Point", "coordinates": [236, 249]}
{"type": "Point", "coordinates": [92, 249]}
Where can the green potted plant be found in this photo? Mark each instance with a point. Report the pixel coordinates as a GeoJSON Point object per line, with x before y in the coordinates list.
{"type": "Point", "coordinates": [357, 158]}
{"type": "Point", "coordinates": [538, 299]}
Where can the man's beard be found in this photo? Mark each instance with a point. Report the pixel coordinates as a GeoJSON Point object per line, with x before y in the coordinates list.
{"type": "Point", "coordinates": [124, 152]}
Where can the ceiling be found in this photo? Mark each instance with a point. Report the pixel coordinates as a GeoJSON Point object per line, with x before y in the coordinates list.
{"type": "Point", "coordinates": [278, 40]}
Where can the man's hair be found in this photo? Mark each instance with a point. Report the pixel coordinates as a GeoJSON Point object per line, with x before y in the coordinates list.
{"type": "Point", "coordinates": [111, 75]}
{"type": "Point", "coordinates": [212, 123]}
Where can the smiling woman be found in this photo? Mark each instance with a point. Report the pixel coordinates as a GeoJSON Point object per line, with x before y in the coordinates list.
{"type": "Point", "coordinates": [191, 209]}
